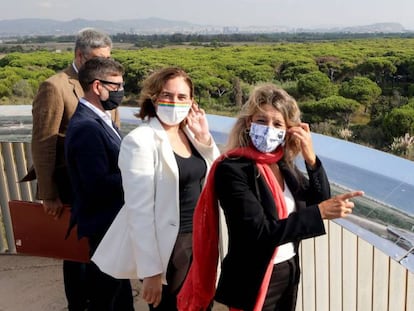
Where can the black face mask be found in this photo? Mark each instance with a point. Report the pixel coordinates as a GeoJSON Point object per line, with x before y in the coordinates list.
{"type": "Point", "coordinates": [113, 101]}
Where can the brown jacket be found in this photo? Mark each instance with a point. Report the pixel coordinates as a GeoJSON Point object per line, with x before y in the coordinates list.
{"type": "Point", "coordinates": [53, 106]}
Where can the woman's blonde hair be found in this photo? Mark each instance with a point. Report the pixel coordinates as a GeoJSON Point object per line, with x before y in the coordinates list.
{"type": "Point", "coordinates": [284, 103]}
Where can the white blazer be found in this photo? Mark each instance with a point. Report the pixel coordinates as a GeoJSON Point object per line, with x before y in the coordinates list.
{"type": "Point", "coordinates": [140, 240]}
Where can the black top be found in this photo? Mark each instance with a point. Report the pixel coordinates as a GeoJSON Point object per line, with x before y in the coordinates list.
{"type": "Point", "coordinates": [192, 171]}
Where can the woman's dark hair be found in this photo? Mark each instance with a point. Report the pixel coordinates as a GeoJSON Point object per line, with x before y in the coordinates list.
{"type": "Point", "coordinates": [154, 84]}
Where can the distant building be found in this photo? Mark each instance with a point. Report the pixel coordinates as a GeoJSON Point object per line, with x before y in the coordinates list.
{"type": "Point", "coordinates": [228, 30]}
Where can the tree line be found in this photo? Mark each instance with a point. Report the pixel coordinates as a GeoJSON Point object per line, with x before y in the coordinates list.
{"type": "Point", "coordinates": [356, 89]}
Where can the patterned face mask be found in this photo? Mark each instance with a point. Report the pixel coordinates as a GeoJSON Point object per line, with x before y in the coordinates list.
{"type": "Point", "coordinates": [172, 113]}
{"type": "Point", "coordinates": [266, 139]}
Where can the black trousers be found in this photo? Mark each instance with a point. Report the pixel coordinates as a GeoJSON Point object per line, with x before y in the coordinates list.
{"type": "Point", "coordinates": [105, 292]}
{"type": "Point", "coordinates": [75, 282]}
{"type": "Point", "coordinates": [177, 270]}
{"type": "Point", "coordinates": [74, 273]}
{"type": "Point", "coordinates": [283, 287]}
{"type": "Point", "coordinates": [169, 301]}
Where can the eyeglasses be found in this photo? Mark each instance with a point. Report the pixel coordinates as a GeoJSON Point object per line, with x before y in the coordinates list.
{"type": "Point", "coordinates": [120, 85]}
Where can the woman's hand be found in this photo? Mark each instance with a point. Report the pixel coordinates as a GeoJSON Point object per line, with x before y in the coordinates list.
{"type": "Point", "coordinates": [338, 206]}
{"type": "Point", "coordinates": [303, 134]}
{"type": "Point", "coordinates": [197, 123]}
{"type": "Point", "coordinates": [152, 290]}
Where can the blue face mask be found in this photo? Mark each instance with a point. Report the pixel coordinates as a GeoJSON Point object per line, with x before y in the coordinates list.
{"type": "Point", "coordinates": [266, 139]}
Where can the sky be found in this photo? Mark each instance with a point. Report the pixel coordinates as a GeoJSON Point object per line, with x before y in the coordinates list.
{"type": "Point", "coordinates": [241, 13]}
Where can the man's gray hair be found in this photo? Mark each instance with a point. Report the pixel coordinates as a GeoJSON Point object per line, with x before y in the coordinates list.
{"type": "Point", "coordinates": [88, 39]}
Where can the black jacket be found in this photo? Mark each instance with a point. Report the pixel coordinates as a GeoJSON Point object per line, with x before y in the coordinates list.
{"type": "Point", "coordinates": [253, 225]}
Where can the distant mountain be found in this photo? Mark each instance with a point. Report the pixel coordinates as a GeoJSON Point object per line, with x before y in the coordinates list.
{"type": "Point", "coordinates": [373, 28]}
{"type": "Point", "coordinates": [37, 27]}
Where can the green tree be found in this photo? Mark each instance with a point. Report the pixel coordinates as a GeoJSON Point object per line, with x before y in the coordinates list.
{"type": "Point", "coordinates": [292, 69]}
{"type": "Point", "coordinates": [134, 75]}
{"type": "Point", "coordinates": [329, 65]}
{"type": "Point", "coordinates": [334, 109]}
{"type": "Point", "coordinates": [315, 85]}
{"type": "Point", "coordinates": [22, 88]}
{"type": "Point", "coordinates": [399, 122]}
{"type": "Point", "coordinates": [377, 68]}
{"type": "Point", "coordinates": [237, 92]}
{"type": "Point", "coordinates": [384, 104]}
{"type": "Point", "coordinates": [362, 90]}
{"type": "Point", "coordinates": [407, 67]}
{"type": "Point", "coordinates": [4, 90]}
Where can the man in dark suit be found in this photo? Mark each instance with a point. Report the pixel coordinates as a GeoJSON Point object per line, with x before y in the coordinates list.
{"type": "Point", "coordinates": [91, 150]}
{"type": "Point", "coordinates": [53, 106]}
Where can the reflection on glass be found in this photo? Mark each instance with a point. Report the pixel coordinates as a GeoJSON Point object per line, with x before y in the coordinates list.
{"type": "Point", "coordinates": [384, 216]}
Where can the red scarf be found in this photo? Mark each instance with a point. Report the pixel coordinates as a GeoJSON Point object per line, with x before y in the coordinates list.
{"type": "Point", "coordinates": [200, 284]}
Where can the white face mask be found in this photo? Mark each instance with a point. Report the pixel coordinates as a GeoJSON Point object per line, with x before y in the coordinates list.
{"type": "Point", "coordinates": [266, 139]}
{"type": "Point", "coordinates": [172, 113]}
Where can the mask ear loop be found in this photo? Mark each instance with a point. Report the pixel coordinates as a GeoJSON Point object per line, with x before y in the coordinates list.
{"type": "Point", "coordinates": [248, 125]}
{"type": "Point", "coordinates": [284, 139]}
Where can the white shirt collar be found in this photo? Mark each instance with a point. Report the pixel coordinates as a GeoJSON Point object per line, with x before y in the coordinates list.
{"type": "Point", "coordinates": [104, 115]}
{"type": "Point", "coordinates": [74, 67]}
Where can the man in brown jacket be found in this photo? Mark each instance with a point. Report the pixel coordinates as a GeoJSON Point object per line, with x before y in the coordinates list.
{"type": "Point", "coordinates": [53, 106]}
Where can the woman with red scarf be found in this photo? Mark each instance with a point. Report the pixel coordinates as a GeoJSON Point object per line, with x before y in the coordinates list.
{"type": "Point", "coordinates": [269, 207]}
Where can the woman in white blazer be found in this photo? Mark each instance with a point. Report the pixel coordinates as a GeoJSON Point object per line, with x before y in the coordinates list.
{"type": "Point", "coordinates": [163, 164]}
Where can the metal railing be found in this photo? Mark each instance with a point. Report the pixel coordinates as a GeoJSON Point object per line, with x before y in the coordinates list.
{"type": "Point", "coordinates": [340, 270]}
{"type": "Point", "coordinates": [15, 158]}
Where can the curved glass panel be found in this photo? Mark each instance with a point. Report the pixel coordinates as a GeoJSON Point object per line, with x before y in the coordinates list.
{"type": "Point", "coordinates": [384, 217]}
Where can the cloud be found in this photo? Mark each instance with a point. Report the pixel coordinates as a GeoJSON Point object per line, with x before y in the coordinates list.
{"type": "Point", "coordinates": [55, 9]}
{"type": "Point", "coordinates": [45, 4]}
{"type": "Point", "coordinates": [294, 13]}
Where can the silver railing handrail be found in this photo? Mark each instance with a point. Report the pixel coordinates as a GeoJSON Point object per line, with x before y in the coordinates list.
{"type": "Point", "coordinates": [350, 268]}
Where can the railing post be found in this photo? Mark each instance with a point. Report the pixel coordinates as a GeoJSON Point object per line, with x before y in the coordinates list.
{"type": "Point", "coordinates": [6, 234]}
{"type": "Point", "coordinates": [21, 168]}
{"type": "Point", "coordinates": [13, 166]}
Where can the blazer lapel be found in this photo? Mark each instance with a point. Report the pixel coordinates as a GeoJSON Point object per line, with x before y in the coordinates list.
{"type": "Point", "coordinates": [264, 193]}
{"type": "Point", "coordinates": [117, 129]}
{"type": "Point", "coordinates": [290, 179]}
{"type": "Point", "coordinates": [165, 145]}
{"type": "Point", "coordinates": [293, 184]}
{"type": "Point", "coordinates": [107, 129]}
{"type": "Point", "coordinates": [74, 82]}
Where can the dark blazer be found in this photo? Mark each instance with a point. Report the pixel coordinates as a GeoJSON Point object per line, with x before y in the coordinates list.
{"type": "Point", "coordinates": [91, 152]}
{"type": "Point", "coordinates": [253, 225]}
